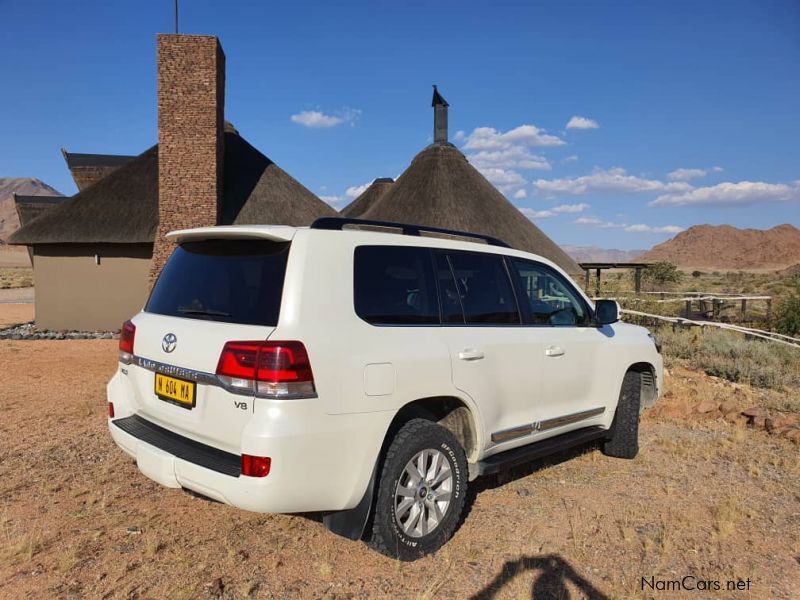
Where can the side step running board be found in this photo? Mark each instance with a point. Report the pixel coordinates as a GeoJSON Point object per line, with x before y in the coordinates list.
{"type": "Point", "coordinates": [524, 454]}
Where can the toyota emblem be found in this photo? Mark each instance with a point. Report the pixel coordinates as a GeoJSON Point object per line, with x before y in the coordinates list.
{"type": "Point", "coordinates": [169, 342]}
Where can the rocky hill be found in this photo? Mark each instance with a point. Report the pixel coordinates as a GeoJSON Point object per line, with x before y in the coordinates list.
{"type": "Point", "coordinates": [595, 254]}
{"type": "Point", "coordinates": [723, 247]}
{"type": "Point", "coordinates": [27, 186]}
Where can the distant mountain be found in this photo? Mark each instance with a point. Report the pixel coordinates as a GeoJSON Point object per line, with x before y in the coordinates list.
{"type": "Point", "coordinates": [595, 254]}
{"type": "Point", "coordinates": [25, 186]}
{"type": "Point", "coordinates": [726, 248]}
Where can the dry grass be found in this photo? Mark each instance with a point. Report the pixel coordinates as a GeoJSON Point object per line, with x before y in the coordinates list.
{"type": "Point", "coordinates": [701, 497]}
{"type": "Point", "coordinates": [15, 277]}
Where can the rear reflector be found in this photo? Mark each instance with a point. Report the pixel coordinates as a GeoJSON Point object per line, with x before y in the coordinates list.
{"type": "Point", "coordinates": [255, 466]}
{"type": "Point", "coordinates": [126, 336]}
{"type": "Point", "coordinates": [267, 369]}
{"type": "Point", "coordinates": [110, 410]}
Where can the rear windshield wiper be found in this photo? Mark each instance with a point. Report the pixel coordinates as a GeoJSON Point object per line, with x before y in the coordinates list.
{"type": "Point", "coordinates": [188, 310]}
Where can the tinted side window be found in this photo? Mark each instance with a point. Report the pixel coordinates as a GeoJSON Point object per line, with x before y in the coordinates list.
{"type": "Point", "coordinates": [449, 297]}
{"type": "Point", "coordinates": [551, 299]}
{"type": "Point", "coordinates": [484, 288]}
{"type": "Point", "coordinates": [393, 285]}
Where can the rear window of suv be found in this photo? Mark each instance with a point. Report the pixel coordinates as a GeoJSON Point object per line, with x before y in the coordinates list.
{"type": "Point", "coordinates": [231, 281]}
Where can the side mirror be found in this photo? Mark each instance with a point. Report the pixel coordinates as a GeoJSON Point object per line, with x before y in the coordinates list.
{"type": "Point", "coordinates": [606, 312]}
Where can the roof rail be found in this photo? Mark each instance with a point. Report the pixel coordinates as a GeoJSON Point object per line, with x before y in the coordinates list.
{"type": "Point", "coordinates": [338, 223]}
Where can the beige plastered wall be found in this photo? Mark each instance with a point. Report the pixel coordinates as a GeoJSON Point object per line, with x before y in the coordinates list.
{"type": "Point", "coordinates": [89, 286]}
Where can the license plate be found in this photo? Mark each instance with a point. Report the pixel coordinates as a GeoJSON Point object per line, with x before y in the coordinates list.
{"type": "Point", "coordinates": [175, 390]}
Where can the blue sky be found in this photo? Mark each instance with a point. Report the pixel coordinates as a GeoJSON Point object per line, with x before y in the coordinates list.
{"type": "Point", "coordinates": [681, 112]}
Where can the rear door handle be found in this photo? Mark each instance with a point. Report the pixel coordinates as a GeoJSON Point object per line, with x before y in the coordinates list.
{"type": "Point", "coordinates": [554, 351]}
{"type": "Point", "coordinates": [470, 355]}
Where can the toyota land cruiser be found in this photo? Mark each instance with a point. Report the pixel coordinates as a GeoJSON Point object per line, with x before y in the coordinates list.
{"type": "Point", "coordinates": [369, 371]}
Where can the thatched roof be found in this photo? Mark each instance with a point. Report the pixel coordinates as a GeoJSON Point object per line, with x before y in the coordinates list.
{"type": "Point", "coordinates": [77, 160]}
{"type": "Point", "coordinates": [441, 189]}
{"type": "Point", "coordinates": [30, 207]}
{"type": "Point", "coordinates": [123, 207]}
{"type": "Point", "coordinates": [367, 198]}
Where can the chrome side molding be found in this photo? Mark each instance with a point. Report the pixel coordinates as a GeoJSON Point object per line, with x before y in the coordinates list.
{"type": "Point", "coordinates": [505, 435]}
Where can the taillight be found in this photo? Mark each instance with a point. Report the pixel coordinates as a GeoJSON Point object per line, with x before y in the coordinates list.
{"type": "Point", "coordinates": [126, 342]}
{"type": "Point", "coordinates": [267, 369]}
{"type": "Point", "coordinates": [110, 410]}
{"type": "Point", "coordinates": [256, 466]}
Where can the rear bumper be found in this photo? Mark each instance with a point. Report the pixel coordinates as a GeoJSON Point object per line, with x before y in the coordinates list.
{"type": "Point", "coordinates": [320, 462]}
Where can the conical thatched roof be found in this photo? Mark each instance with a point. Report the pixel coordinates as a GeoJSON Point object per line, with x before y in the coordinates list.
{"type": "Point", "coordinates": [367, 198]}
{"type": "Point", "coordinates": [123, 206]}
{"type": "Point", "coordinates": [441, 189]}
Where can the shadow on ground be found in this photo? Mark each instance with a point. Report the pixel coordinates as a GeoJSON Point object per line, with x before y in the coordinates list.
{"type": "Point", "coordinates": [553, 573]}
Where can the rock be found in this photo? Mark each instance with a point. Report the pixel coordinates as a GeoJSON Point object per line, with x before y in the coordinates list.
{"type": "Point", "coordinates": [706, 406]}
{"type": "Point", "coordinates": [784, 421]}
{"type": "Point", "coordinates": [755, 411]}
{"type": "Point", "coordinates": [134, 530]}
{"type": "Point", "coordinates": [727, 406]}
{"type": "Point", "coordinates": [216, 587]}
{"type": "Point", "coordinates": [759, 422]}
{"type": "Point", "coordinates": [769, 425]}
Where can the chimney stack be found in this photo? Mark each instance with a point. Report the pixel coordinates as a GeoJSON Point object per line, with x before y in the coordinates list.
{"type": "Point", "coordinates": [439, 105]}
{"type": "Point", "coordinates": [191, 115]}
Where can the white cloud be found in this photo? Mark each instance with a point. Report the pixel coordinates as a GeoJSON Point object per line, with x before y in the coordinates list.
{"type": "Point", "coordinates": [488, 138]}
{"type": "Point", "coordinates": [569, 159]}
{"type": "Point", "coordinates": [354, 191]}
{"type": "Point", "coordinates": [743, 193]}
{"type": "Point", "coordinates": [556, 210]}
{"type": "Point", "coordinates": [500, 155]}
{"type": "Point", "coordinates": [640, 228]}
{"type": "Point", "coordinates": [686, 174]}
{"type": "Point", "coordinates": [459, 135]}
{"type": "Point", "coordinates": [513, 157]}
{"type": "Point", "coordinates": [637, 228]}
{"type": "Point", "coordinates": [316, 119]}
{"type": "Point", "coordinates": [520, 194]}
{"type": "Point", "coordinates": [596, 222]}
{"type": "Point", "coordinates": [582, 123]}
{"type": "Point", "coordinates": [614, 180]}
{"type": "Point", "coordinates": [507, 181]}
{"type": "Point", "coordinates": [336, 202]}
{"type": "Point", "coordinates": [717, 169]}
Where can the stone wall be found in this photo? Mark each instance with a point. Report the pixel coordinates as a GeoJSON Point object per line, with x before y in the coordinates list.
{"type": "Point", "coordinates": [191, 104]}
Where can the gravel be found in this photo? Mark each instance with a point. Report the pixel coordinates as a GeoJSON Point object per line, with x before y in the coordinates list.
{"type": "Point", "coordinates": [28, 331]}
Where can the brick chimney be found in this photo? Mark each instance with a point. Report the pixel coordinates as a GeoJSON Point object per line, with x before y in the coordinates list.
{"type": "Point", "coordinates": [191, 114]}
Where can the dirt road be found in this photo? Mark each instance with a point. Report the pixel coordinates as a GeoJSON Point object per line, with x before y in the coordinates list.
{"type": "Point", "coordinates": [706, 500]}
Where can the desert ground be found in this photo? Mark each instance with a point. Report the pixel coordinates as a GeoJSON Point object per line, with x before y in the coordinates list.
{"type": "Point", "coordinates": [707, 497]}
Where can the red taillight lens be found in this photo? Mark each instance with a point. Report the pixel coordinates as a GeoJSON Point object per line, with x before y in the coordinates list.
{"type": "Point", "coordinates": [126, 337]}
{"type": "Point", "coordinates": [270, 369]}
{"type": "Point", "coordinates": [110, 410]}
{"type": "Point", "coordinates": [256, 466]}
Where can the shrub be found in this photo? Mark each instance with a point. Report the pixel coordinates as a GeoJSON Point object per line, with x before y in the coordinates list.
{"type": "Point", "coordinates": [787, 315]}
{"type": "Point", "coordinates": [696, 273]}
{"type": "Point", "coordinates": [731, 356]}
{"type": "Point", "coordinates": [662, 273]}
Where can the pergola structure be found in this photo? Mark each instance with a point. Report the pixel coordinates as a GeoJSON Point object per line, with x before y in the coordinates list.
{"type": "Point", "coordinates": [598, 267]}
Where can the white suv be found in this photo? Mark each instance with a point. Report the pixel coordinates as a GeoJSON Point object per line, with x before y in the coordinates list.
{"type": "Point", "coordinates": [368, 375]}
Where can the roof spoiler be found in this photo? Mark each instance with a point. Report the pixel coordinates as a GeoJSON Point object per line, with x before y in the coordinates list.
{"type": "Point", "coordinates": [275, 233]}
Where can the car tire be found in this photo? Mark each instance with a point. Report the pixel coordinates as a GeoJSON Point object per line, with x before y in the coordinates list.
{"type": "Point", "coordinates": [623, 439]}
{"type": "Point", "coordinates": [421, 491]}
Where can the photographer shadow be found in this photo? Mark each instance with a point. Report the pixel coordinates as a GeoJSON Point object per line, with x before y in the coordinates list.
{"type": "Point", "coordinates": [552, 579]}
